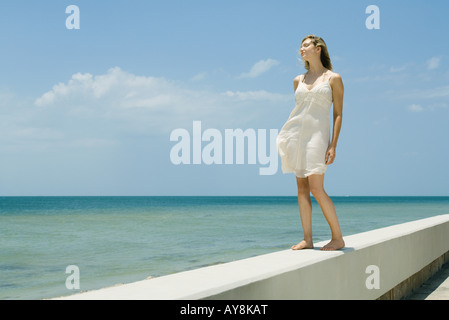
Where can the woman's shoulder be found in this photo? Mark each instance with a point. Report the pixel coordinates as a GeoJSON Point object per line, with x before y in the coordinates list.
{"type": "Point", "coordinates": [333, 75]}
{"type": "Point", "coordinates": [336, 81]}
{"type": "Point", "coordinates": [298, 78]}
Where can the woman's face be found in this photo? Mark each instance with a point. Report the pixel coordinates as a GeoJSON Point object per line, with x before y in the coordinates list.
{"type": "Point", "coordinates": [308, 49]}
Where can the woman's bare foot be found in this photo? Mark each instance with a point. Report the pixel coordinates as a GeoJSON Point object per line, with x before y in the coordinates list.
{"type": "Point", "coordinates": [303, 245]}
{"type": "Point", "coordinates": [335, 244]}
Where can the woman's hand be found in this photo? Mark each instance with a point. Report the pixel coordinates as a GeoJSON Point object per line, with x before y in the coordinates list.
{"type": "Point", "coordinates": [330, 155]}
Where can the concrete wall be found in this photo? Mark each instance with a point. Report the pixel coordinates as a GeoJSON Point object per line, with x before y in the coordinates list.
{"type": "Point", "coordinates": [391, 255]}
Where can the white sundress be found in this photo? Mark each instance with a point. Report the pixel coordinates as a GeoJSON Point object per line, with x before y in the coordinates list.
{"type": "Point", "coordinates": [305, 137]}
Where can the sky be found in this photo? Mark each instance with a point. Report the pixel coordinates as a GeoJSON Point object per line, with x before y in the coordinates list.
{"type": "Point", "coordinates": [108, 108]}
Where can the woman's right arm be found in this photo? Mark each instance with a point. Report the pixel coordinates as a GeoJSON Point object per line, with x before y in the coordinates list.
{"type": "Point", "coordinates": [296, 83]}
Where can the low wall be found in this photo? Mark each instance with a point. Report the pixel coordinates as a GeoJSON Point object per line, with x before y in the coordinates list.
{"type": "Point", "coordinates": [373, 265]}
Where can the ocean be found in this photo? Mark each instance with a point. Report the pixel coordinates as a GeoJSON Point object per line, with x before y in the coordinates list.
{"type": "Point", "coordinates": [113, 240]}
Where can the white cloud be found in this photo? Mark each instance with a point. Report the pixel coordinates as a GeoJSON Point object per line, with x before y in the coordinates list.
{"type": "Point", "coordinates": [118, 88]}
{"type": "Point", "coordinates": [118, 92]}
{"type": "Point", "coordinates": [415, 108]}
{"type": "Point", "coordinates": [394, 69]}
{"type": "Point", "coordinates": [259, 68]}
{"type": "Point", "coordinates": [433, 63]}
{"type": "Point", "coordinates": [199, 76]}
{"type": "Point", "coordinates": [96, 111]}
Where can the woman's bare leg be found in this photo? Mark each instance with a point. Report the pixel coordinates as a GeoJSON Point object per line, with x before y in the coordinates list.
{"type": "Point", "coordinates": [327, 206]}
{"type": "Point", "coordinates": [305, 211]}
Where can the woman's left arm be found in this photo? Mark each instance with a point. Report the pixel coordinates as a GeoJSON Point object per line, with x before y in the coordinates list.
{"type": "Point", "coordinates": [337, 95]}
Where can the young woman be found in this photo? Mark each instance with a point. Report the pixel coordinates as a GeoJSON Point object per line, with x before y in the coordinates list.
{"type": "Point", "coordinates": [304, 143]}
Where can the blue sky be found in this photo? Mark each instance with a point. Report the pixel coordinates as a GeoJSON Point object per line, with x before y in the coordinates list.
{"type": "Point", "coordinates": [90, 111]}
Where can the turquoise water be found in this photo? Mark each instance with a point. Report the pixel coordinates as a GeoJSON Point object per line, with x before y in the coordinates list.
{"type": "Point", "coordinates": [123, 239]}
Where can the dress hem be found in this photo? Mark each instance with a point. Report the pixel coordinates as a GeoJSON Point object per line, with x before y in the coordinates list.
{"type": "Point", "coordinates": [305, 175]}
